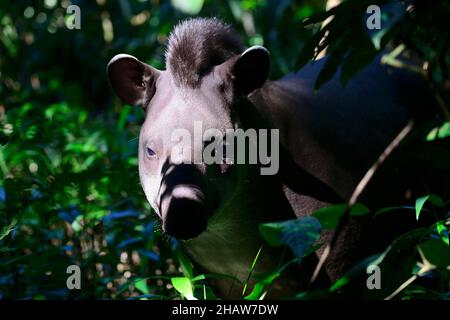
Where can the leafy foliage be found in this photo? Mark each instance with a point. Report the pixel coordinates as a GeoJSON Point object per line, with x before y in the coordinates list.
{"type": "Point", "coordinates": [69, 187]}
{"type": "Point", "coordinates": [329, 217]}
{"type": "Point", "coordinates": [298, 234]}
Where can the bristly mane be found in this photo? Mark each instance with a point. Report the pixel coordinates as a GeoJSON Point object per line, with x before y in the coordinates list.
{"type": "Point", "coordinates": [196, 45]}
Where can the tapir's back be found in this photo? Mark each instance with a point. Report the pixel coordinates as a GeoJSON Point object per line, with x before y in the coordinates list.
{"type": "Point", "coordinates": [337, 133]}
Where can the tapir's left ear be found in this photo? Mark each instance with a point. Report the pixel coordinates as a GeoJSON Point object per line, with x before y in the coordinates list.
{"type": "Point", "coordinates": [251, 69]}
{"type": "Point", "coordinates": [132, 80]}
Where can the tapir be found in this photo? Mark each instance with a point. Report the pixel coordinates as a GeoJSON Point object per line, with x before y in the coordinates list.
{"type": "Point", "coordinates": [328, 140]}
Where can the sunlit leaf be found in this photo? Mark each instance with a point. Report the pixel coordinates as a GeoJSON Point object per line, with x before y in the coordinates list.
{"type": "Point", "coordinates": [184, 287]}
{"type": "Point", "coordinates": [420, 202]}
{"type": "Point", "coordinates": [8, 228]}
{"type": "Point", "coordinates": [142, 286]}
{"type": "Point", "coordinates": [261, 285]}
{"type": "Point", "coordinates": [441, 132]}
{"type": "Point", "coordinates": [442, 231]}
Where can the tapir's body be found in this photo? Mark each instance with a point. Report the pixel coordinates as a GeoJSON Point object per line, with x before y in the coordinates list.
{"type": "Point", "coordinates": [335, 136]}
{"type": "Point", "coordinates": [328, 141]}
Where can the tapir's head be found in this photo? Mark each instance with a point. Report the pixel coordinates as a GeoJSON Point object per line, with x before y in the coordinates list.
{"type": "Point", "coordinates": [207, 75]}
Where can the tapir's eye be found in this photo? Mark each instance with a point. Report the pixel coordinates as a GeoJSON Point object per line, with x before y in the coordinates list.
{"type": "Point", "coordinates": [222, 86]}
{"type": "Point", "coordinates": [150, 153]}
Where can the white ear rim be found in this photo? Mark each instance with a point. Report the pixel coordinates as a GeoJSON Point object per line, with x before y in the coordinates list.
{"type": "Point", "coordinates": [256, 48]}
{"type": "Point", "coordinates": [120, 56]}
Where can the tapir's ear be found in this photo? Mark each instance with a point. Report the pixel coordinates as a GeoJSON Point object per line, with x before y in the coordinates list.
{"type": "Point", "coordinates": [132, 80]}
{"type": "Point", "coordinates": [251, 69]}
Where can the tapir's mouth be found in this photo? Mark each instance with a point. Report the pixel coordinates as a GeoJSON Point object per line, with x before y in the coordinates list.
{"type": "Point", "coordinates": [184, 213]}
{"type": "Point", "coordinates": [186, 219]}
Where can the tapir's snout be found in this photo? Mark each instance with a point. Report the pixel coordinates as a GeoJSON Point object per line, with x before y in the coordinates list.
{"type": "Point", "coordinates": [183, 208]}
{"type": "Point", "coordinates": [185, 218]}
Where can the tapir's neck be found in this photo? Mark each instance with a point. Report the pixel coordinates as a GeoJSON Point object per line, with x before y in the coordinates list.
{"type": "Point", "coordinates": [232, 238]}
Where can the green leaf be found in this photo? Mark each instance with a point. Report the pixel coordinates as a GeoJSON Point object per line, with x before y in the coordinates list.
{"type": "Point", "coordinates": [142, 286]}
{"type": "Point", "coordinates": [341, 282]}
{"type": "Point", "coordinates": [271, 232]}
{"type": "Point", "coordinates": [439, 132]}
{"type": "Point", "coordinates": [359, 209]}
{"type": "Point", "coordinates": [420, 202]}
{"type": "Point", "coordinates": [436, 200]}
{"type": "Point", "coordinates": [251, 270]}
{"type": "Point", "coordinates": [304, 11]}
{"type": "Point", "coordinates": [436, 252]}
{"type": "Point", "coordinates": [77, 224]}
{"type": "Point", "coordinates": [419, 205]}
{"type": "Point", "coordinates": [199, 278]}
{"type": "Point", "coordinates": [215, 276]}
{"type": "Point", "coordinates": [8, 228]}
{"type": "Point", "coordinates": [330, 216]}
{"type": "Point", "coordinates": [442, 231]}
{"type": "Point", "coordinates": [184, 287]}
{"type": "Point", "coordinates": [259, 287]}
{"type": "Point", "coordinates": [299, 234]}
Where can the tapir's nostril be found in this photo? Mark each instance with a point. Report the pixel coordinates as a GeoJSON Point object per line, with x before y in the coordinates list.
{"type": "Point", "coordinates": [185, 218]}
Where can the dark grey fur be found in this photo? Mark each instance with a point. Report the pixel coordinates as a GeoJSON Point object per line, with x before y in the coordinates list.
{"type": "Point", "coordinates": [196, 45]}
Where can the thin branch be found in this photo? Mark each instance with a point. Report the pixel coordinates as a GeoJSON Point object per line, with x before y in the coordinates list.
{"type": "Point", "coordinates": [393, 62]}
{"type": "Point", "coordinates": [391, 59]}
{"type": "Point", "coordinates": [369, 174]}
{"type": "Point", "coordinates": [403, 286]}
{"type": "Point", "coordinates": [425, 267]}
{"type": "Point", "coordinates": [357, 192]}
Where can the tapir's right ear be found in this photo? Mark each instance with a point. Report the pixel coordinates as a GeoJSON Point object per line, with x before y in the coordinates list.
{"type": "Point", "coordinates": [132, 80]}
